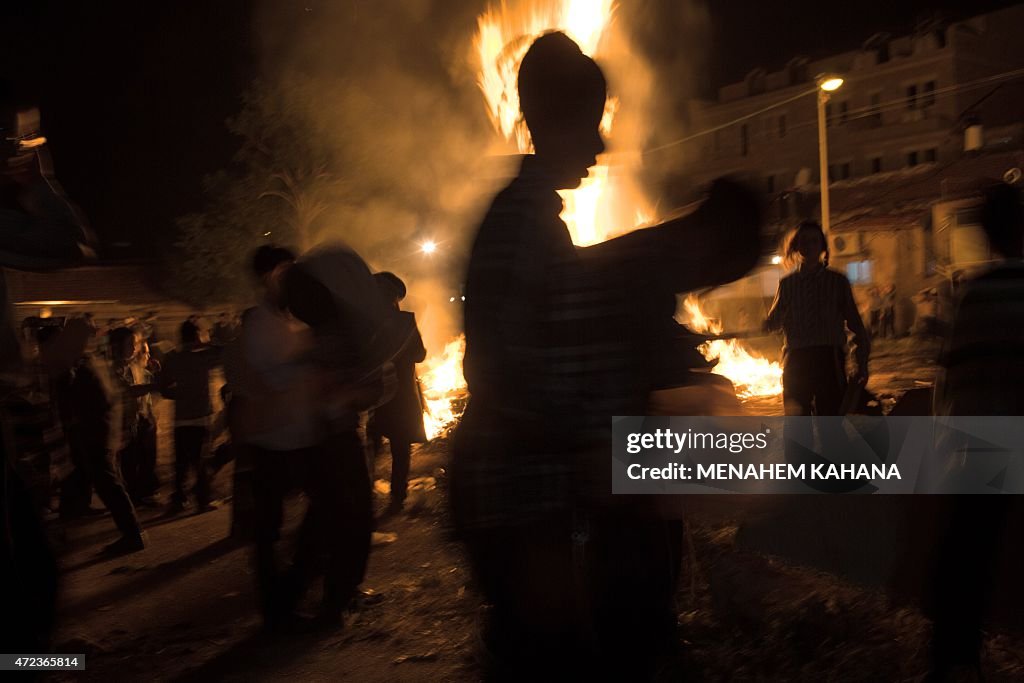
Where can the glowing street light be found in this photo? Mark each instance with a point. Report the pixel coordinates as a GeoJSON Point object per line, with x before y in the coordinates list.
{"type": "Point", "coordinates": [830, 83]}
{"type": "Point", "coordinates": [428, 247]}
{"type": "Point", "coordinates": [776, 260]}
{"type": "Point", "coordinates": [827, 84]}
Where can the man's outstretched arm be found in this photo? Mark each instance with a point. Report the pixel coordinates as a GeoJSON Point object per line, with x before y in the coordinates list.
{"type": "Point", "coordinates": [718, 243]}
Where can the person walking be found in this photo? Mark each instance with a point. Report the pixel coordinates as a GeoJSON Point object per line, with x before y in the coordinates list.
{"type": "Point", "coordinates": [185, 379]}
{"type": "Point", "coordinates": [136, 385]}
{"type": "Point", "coordinates": [813, 308]}
{"type": "Point", "coordinates": [887, 320]}
{"type": "Point", "coordinates": [400, 420]}
{"type": "Point", "coordinates": [874, 310]}
{"type": "Point", "coordinates": [98, 409]}
{"type": "Point", "coordinates": [277, 434]}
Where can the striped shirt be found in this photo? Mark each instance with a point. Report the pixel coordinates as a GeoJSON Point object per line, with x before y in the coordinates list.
{"type": "Point", "coordinates": [982, 363]}
{"type": "Point", "coordinates": [815, 307]}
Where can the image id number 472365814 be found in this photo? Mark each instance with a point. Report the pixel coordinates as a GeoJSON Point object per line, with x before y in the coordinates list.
{"type": "Point", "coordinates": [16, 662]}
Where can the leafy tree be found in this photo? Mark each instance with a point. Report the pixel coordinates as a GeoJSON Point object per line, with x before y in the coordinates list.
{"type": "Point", "coordinates": [278, 187]}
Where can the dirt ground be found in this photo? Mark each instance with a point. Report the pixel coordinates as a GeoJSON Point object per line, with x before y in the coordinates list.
{"type": "Point", "coordinates": [184, 609]}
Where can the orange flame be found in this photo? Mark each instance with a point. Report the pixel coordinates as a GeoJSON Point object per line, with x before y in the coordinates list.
{"type": "Point", "coordinates": [753, 376]}
{"type": "Point", "coordinates": [444, 386]}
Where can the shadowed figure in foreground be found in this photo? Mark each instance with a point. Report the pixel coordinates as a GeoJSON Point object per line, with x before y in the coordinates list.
{"type": "Point", "coordinates": [981, 373]}
{"type": "Point", "coordinates": [39, 230]}
{"type": "Point", "coordinates": [557, 342]}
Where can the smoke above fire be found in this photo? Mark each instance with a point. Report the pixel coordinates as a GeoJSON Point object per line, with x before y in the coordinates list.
{"type": "Point", "coordinates": [391, 90]}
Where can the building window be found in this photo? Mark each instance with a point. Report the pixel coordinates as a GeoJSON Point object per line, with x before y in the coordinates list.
{"type": "Point", "coordinates": [970, 216]}
{"type": "Point", "coordinates": [859, 272]}
{"type": "Point", "coordinates": [875, 111]}
{"type": "Point", "coordinates": [844, 111]}
{"type": "Point", "coordinates": [876, 164]}
{"type": "Point", "coordinates": [931, 155]}
{"type": "Point", "coordinates": [911, 158]}
{"type": "Point", "coordinates": [911, 97]}
{"type": "Point", "coordinates": [839, 171]}
{"type": "Point", "coordinates": [744, 140]}
{"type": "Point", "coordinates": [769, 184]}
{"type": "Point", "coordinates": [782, 125]}
{"type": "Point", "coordinates": [928, 94]}
{"type": "Point", "coordinates": [828, 113]}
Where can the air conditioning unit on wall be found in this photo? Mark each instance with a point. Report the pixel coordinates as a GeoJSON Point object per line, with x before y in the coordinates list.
{"type": "Point", "coordinates": [845, 243]}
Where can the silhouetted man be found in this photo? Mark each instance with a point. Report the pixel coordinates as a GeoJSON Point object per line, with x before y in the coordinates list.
{"type": "Point", "coordinates": [185, 379]}
{"type": "Point", "coordinates": [556, 344]}
{"type": "Point", "coordinates": [982, 373]}
{"type": "Point", "coordinates": [401, 418]}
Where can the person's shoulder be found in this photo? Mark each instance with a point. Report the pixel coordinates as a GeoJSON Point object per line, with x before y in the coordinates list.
{"type": "Point", "coordinates": [525, 195]}
{"type": "Point", "coordinates": [789, 278]}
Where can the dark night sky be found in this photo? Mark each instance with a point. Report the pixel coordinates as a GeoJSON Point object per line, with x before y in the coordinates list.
{"type": "Point", "coordinates": [135, 94]}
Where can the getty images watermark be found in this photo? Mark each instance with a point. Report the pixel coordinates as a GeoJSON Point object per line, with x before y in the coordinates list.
{"type": "Point", "coordinates": [783, 455]}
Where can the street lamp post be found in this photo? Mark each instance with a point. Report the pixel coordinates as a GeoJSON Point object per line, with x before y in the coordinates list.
{"type": "Point", "coordinates": [827, 84]}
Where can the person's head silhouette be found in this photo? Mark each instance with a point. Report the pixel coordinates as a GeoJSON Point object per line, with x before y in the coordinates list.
{"type": "Point", "coordinates": [562, 95]}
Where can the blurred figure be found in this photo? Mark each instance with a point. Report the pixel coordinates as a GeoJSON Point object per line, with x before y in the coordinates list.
{"type": "Point", "coordinates": [39, 229]}
{"type": "Point", "coordinates": [887, 320]}
{"type": "Point", "coordinates": [134, 369]}
{"type": "Point", "coordinates": [813, 308]}
{"type": "Point", "coordinates": [185, 379]}
{"type": "Point", "coordinates": [552, 352]}
{"type": "Point", "coordinates": [239, 391]}
{"type": "Point", "coordinates": [277, 434]}
{"type": "Point", "coordinates": [874, 310]}
{"type": "Point", "coordinates": [981, 373]}
{"type": "Point", "coordinates": [99, 407]}
{"type": "Point", "coordinates": [357, 335]}
{"type": "Point", "coordinates": [926, 318]}
{"type": "Point", "coordinates": [401, 418]}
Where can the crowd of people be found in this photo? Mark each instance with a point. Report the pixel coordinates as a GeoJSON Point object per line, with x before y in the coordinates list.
{"type": "Point", "coordinates": [558, 339]}
{"type": "Point", "coordinates": [326, 344]}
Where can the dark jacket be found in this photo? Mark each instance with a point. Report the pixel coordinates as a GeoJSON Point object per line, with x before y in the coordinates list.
{"type": "Point", "coordinates": [185, 379]}
{"type": "Point", "coordinates": [401, 418]}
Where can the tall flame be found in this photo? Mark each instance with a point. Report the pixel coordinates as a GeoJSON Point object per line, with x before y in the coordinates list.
{"type": "Point", "coordinates": [443, 388]}
{"type": "Point", "coordinates": [752, 376]}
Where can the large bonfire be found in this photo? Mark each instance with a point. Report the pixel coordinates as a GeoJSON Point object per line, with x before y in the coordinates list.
{"type": "Point", "coordinates": [594, 211]}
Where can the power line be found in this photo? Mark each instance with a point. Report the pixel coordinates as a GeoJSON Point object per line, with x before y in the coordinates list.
{"type": "Point", "coordinates": [862, 112]}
